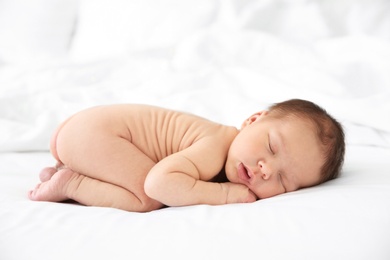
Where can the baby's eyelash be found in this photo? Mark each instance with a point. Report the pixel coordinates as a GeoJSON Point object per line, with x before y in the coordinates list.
{"type": "Point", "coordinates": [270, 148]}
{"type": "Point", "coordinates": [269, 145]}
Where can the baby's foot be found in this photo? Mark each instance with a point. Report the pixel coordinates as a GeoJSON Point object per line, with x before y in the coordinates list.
{"type": "Point", "coordinates": [53, 189]}
{"type": "Point", "coordinates": [48, 172]}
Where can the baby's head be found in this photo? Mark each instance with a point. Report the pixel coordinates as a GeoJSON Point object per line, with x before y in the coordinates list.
{"type": "Point", "coordinates": [294, 144]}
{"type": "Point", "coordinates": [328, 130]}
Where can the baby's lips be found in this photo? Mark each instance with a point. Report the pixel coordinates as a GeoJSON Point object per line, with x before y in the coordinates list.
{"type": "Point", "coordinates": [249, 172]}
{"type": "Point", "coordinates": [243, 173]}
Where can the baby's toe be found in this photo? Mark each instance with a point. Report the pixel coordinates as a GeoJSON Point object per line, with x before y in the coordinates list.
{"type": "Point", "coordinates": [32, 194]}
{"type": "Point", "coordinates": [47, 173]}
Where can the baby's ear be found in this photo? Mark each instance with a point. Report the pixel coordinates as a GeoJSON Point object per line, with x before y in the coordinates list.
{"type": "Point", "coordinates": [253, 118]}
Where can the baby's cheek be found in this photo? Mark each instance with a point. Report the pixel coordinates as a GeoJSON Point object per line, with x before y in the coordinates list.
{"type": "Point", "coordinates": [265, 192]}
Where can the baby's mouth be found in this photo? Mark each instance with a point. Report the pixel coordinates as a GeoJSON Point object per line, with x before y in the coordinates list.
{"type": "Point", "coordinates": [243, 173]}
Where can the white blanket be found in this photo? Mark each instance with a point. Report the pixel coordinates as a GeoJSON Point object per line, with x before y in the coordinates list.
{"type": "Point", "coordinates": [221, 59]}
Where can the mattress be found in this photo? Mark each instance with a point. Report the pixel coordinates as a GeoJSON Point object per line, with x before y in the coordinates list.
{"type": "Point", "coordinates": [223, 60]}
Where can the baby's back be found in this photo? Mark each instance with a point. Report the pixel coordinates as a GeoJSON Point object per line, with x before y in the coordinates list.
{"type": "Point", "coordinates": [156, 131]}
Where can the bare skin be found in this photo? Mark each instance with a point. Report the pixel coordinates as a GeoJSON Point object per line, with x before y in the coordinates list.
{"type": "Point", "coordinates": [140, 158]}
{"type": "Point", "coordinates": [54, 184]}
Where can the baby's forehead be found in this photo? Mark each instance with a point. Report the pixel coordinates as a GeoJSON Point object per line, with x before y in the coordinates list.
{"type": "Point", "coordinates": [301, 127]}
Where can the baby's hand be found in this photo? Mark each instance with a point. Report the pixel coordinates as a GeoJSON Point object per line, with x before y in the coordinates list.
{"type": "Point", "coordinates": [238, 193]}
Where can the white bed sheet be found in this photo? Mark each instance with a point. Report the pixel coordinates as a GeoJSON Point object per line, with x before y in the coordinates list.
{"type": "Point", "coordinates": [348, 218]}
{"type": "Point", "coordinates": [226, 60]}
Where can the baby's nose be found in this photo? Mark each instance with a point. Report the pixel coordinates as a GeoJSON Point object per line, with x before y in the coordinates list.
{"type": "Point", "coordinates": [264, 170]}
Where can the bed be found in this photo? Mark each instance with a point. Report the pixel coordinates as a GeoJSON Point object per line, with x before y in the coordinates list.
{"type": "Point", "coordinates": [220, 59]}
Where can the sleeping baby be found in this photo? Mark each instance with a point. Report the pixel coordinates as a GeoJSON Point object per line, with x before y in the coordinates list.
{"type": "Point", "coordinates": [142, 158]}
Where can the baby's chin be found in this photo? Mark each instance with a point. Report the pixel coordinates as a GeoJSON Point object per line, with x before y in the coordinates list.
{"type": "Point", "coordinates": [231, 175]}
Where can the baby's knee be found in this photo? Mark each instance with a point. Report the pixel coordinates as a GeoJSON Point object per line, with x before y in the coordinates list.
{"type": "Point", "coordinates": [147, 204]}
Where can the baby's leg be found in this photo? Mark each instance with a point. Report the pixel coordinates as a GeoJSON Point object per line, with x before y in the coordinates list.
{"type": "Point", "coordinates": [67, 184]}
{"type": "Point", "coordinates": [90, 144]}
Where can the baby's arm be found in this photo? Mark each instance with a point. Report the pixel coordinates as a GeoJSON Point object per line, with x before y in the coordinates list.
{"type": "Point", "coordinates": [180, 179]}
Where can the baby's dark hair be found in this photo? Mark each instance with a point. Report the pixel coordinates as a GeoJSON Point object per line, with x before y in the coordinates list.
{"type": "Point", "coordinates": [328, 129]}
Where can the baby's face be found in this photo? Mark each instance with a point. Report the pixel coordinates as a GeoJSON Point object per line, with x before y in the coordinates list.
{"type": "Point", "coordinates": [273, 156]}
